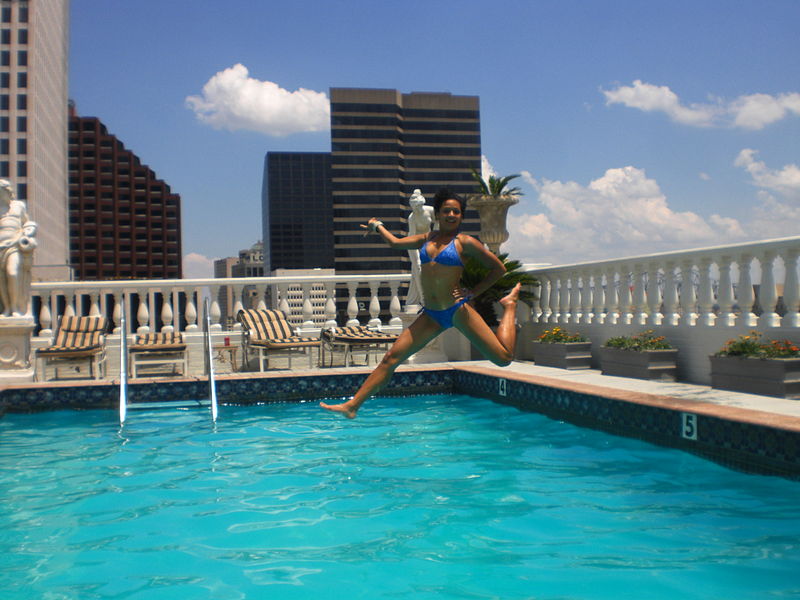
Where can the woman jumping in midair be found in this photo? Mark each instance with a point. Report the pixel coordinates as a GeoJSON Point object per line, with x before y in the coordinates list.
{"type": "Point", "coordinates": [442, 255]}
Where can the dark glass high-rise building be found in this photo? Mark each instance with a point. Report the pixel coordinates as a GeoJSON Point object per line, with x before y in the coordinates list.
{"type": "Point", "coordinates": [297, 213]}
{"type": "Point", "coordinates": [385, 144]}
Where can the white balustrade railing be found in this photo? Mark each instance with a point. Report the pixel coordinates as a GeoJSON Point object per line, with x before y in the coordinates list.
{"type": "Point", "coordinates": [705, 287]}
{"type": "Point", "coordinates": [172, 304]}
{"type": "Point", "coordinates": [700, 297]}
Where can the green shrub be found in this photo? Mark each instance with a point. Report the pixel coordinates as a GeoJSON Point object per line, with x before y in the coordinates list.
{"type": "Point", "coordinates": [647, 340]}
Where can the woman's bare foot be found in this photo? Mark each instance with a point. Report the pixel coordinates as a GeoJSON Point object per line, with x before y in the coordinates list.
{"type": "Point", "coordinates": [346, 410]}
{"type": "Point", "coordinates": [512, 297]}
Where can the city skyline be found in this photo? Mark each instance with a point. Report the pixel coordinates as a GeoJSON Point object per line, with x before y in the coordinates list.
{"type": "Point", "coordinates": [637, 128]}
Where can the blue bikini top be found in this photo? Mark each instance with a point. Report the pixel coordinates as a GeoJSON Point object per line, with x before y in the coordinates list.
{"type": "Point", "coordinates": [448, 257]}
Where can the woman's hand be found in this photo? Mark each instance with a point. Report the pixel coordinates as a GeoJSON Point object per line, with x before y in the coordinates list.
{"type": "Point", "coordinates": [460, 293]}
{"type": "Point", "coordinates": [372, 225]}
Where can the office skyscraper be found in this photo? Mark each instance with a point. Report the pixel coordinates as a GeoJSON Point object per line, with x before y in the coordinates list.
{"type": "Point", "coordinates": [34, 45]}
{"type": "Point", "coordinates": [297, 211]}
{"type": "Point", "coordinates": [125, 222]}
{"type": "Point", "coordinates": [385, 144]}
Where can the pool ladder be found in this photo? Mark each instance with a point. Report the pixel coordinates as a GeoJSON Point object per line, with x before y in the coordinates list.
{"type": "Point", "coordinates": [123, 365]}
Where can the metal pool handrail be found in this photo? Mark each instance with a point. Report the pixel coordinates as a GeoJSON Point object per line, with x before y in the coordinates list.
{"type": "Point", "coordinates": [123, 371]}
{"type": "Point", "coordinates": [212, 386]}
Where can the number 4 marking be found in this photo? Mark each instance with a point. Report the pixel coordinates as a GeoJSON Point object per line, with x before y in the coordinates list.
{"type": "Point", "coordinates": [501, 387]}
{"type": "Point", "coordinates": [689, 426]}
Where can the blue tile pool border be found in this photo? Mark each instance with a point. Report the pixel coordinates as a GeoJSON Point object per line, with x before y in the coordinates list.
{"type": "Point", "coordinates": [746, 440]}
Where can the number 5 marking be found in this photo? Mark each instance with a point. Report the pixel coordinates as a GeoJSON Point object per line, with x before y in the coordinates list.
{"type": "Point", "coordinates": [689, 426]}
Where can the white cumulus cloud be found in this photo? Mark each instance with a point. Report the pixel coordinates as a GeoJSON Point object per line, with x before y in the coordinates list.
{"type": "Point", "coordinates": [233, 100]}
{"type": "Point", "coordinates": [197, 266]}
{"type": "Point", "coordinates": [753, 111]}
{"type": "Point", "coordinates": [777, 213]}
{"type": "Point", "coordinates": [622, 213]}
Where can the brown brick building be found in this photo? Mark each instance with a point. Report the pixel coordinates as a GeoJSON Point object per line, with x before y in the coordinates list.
{"type": "Point", "coordinates": [125, 223]}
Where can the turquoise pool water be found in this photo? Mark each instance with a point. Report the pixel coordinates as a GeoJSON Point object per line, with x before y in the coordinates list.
{"type": "Point", "coordinates": [421, 498]}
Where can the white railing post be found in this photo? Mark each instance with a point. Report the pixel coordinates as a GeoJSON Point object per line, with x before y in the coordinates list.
{"type": "Point", "coordinates": [586, 298]}
{"type": "Point", "coordinates": [143, 313]}
{"type": "Point", "coordinates": [611, 298]}
{"type": "Point", "coordinates": [352, 305]}
{"type": "Point", "coordinates": [688, 298]}
{"type": "Point", "coordinates": [671, 316]}
{"type": "Point", "coordinates": [167, 316]}
{"type": "Point", "coordinates": [745, 295]}
{"type": "Point", "coordinates": [639, 298]}
{"type": "Point", "coordinates": [564, 294]}
{"type": "Point", "coordinates": [544, 300]}
{"type": "Point", "coordinates": [118, 312]}
{"type": "Point", "coordinates": [726, 317]}
{"type": "Point", "coordinates": [705, 299]}
{"type": "Point", "coordinates": [555, 300]}
{"type": "Point", "coordinates": [238, 290]}
{"type": "Point", "coordinates": [374, 305]}
{"type": "Point", "coordinates": [625, 297]}
{"type": "Point", "coordinates": [330, 305]}
{"type": "Point", "coordinates": [394, 305]}
{"type": "Point", "coordinates": [45, 316]}
{"type": "Point", "coordinates": [308, 308]}
{"type": "Point", "coordinates": [791, 289]}
{"type": "Point", "coordinates": [767, 294]}
{"type": "Point", "coordinates": [191, 311]}
{"type": "Point", "coordinates": [653, 295]}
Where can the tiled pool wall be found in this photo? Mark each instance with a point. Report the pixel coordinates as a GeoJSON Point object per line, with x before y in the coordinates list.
{"type": "Point", "coordinates": [748, 446]}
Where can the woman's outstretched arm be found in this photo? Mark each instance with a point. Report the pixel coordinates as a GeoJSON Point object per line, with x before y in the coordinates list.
{"type": "Point", "coordinates": [472, 248]}
{"type": "Point", "coordinates": [410, 242]}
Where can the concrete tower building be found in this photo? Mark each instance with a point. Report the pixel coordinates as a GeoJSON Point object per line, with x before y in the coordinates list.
{"type": "Point", "coordinates": [34, 45]}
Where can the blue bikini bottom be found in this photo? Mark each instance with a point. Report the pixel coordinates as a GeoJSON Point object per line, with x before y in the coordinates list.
{"type": "Point", "coordinates": [445, 317]}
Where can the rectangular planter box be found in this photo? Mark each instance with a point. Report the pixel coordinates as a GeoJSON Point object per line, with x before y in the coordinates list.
{"type": "Point", "coordinates": [650, 364]}
{"type": "Point", "coordinates": [764, 376]}
{"type": "Point", "coordinates": [563, 355]}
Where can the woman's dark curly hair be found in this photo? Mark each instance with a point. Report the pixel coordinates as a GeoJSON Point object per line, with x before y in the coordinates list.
{"type": "Point", "coordinates": [445, 194]}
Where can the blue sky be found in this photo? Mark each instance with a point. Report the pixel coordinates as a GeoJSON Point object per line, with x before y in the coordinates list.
{"type": "Point", "coordinates": [638, 126]}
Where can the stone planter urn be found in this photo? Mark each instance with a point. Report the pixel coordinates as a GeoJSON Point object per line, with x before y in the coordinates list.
{"type": "Point", "coordinates": [764, 376]}
{"type": "Point", "coordinates": [645, 364]}
{"type": "Point", "coordinates": [493, 211]}
{"type": "Point", "coordinates": [563, 355]}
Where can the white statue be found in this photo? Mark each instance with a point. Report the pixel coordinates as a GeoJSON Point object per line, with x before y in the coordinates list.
{"type": "Point", "coordinates": [419, 221]}
{"type": "Point", "coordinates": [17, 243]}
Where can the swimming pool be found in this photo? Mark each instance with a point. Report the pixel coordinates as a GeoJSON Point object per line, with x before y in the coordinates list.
{"type": "Point", "coordinates": [421, 497]}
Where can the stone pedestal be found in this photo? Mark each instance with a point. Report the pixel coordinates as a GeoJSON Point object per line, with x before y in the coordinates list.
{"type": "Point", "coordinates": [432, 353]}
{"type": "Point", "coordinates": [15, 349]}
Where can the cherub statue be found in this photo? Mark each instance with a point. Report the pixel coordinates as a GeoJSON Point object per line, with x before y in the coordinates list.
{"type": "Point", "coordinates": [17, 243]}
{"type": "Point", "coordinates": [419, 221]}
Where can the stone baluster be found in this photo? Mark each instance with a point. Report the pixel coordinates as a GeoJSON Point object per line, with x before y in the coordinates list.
{"type": "Point", "coordinates": [671, 316]}
{"type": "Point", "coordinates": [143, 314]}
{"type": "Point", "coordinates": [611, 299]}
{"type": "Point", "coordinates": [215, 312]}
{"type": "Point", "coordinates": [745, 295]}
{"type": "Point", "coordinates": [352, 304]}
{"type": "Point", "coordinates": [94, 304]}
{"type": "Point", "coordinates": [308, 308]}
{"type": "Point", "coordinates": [767, 293]}
{"type": "Point", "coordinates": [167, 312]}
{"type": "Point", "coordinates": [688, 297]}
{"type": "Point", "coordinates": [283, 300]}
{"type": "Point", "coordinates": [586, 298]}
{"type": "Point", "coordinates": [705, 298]}
{"type": "Point", "coordinates": [625, 296]}
{"type": "Point", "coordinates": [374, 305]}
{"type": "Point", "coordinates": [726, 317]}
{"type": "Point", "coordinates": [653, 291]}
{"type": "Point", "coordinates": [69, 304]}
{"type": "Point", "coordinates": [330, 305]}
{"type": "Point", "coordinates": [544, 300]}
{"type": "Point", "coordinates": [191, 310]}
{"type": "Point", "coordinates": [639, 298]}
{"type": "Point", "coordinates": [555, 300]}
{"type": "Point", "coordinates": [574, 299]}
{"type": "Point", "coordinates": [394, 305]}
{"type": "Point", "coordinates": [563, 297]}
{"type": "Point", "coordinates": [261, 296]}
{"type": "Point", "coordinates": [45, 316]}
{"type": "Point", "coordinates": [116, 315]}
{"type": "Point", "coordinates": [598, 298]}
{"type": "Point", "coordinates": [238, 290]}
{"type": "Point", "coordinates": [791, 289]}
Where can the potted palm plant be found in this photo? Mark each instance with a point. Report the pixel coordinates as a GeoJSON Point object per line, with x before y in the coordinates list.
{"type": "Point", "coordinates": [749, 364]}
{"type": "Point", "coordinates": [642, 356]}
{"type": "Point", "coordinates": [492, 201]}
{"type": "Point", "coordinates": [559, 348]}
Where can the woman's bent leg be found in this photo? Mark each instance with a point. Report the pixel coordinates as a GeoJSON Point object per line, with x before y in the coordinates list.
{"type": "Point", "coordinates": [413, 339]}
{"type": "Point", "coordinates": [497, 348]}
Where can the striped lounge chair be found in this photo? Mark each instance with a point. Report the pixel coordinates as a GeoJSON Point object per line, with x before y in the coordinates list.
{"type": "Point", "coordinates": [78, 339]}
{"type": "Point", "coordinates": [152, 349]}
{"type": "Point", "coordinates": [358, 336]}
{"type": "Point", "coordinates": [267, 331]}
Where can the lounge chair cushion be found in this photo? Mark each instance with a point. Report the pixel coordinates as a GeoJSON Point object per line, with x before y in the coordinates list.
{"type": "Point", "coordinates": [158, 342]}
{"type": "Point", "coordinates": [77, 337]}
{"type": "Point", "coordinates": [266, 325]}
{"type": "Point", "coordinates": [359, 334]}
